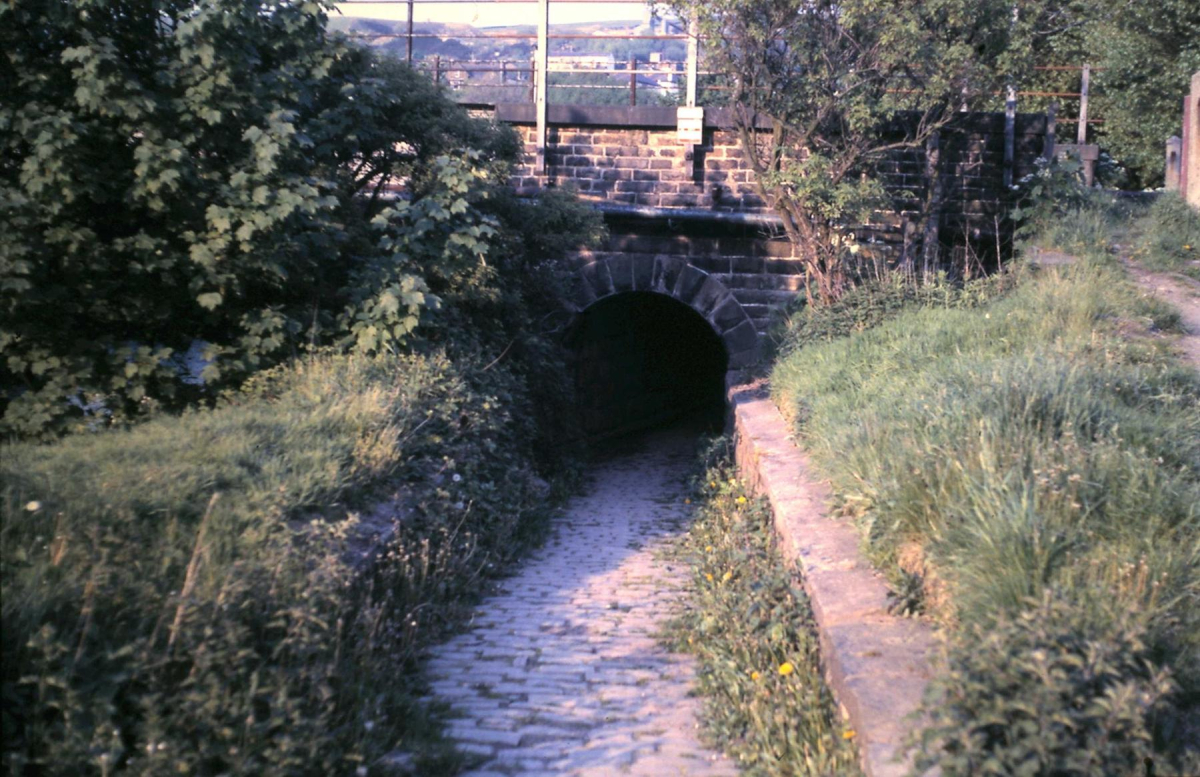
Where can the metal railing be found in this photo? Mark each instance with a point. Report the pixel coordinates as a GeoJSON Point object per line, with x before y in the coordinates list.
{"type": "Point", "coordinates": [533, 76]}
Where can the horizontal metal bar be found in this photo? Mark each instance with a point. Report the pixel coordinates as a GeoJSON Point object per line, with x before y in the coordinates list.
{"type": "Point", "coordinates": [483, 2]}
{"type": "Point", "coordinates": [514, 36]}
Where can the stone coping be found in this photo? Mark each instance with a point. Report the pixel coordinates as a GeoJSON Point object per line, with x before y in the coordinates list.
{"type": "Point", "coordinates": [876, 664]}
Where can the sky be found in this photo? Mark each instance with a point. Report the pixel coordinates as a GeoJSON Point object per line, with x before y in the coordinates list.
{"type": "Point", "coordinates": [494, 14]}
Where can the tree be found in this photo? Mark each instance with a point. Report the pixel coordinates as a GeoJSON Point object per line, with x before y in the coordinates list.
{"type": "Point", "coordinates": [175, 173]}
{"type": "Point", "coordinates": [845, 84]}
{"type": "Point", "coordinates": [1148, 52]}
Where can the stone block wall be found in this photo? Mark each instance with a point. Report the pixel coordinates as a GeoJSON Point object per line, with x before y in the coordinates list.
{"type": "Point", "coordinates": [630, 156]}
{"type": "Point", "coordinates": [759, 270]}
{"type": "Point", "coordinates": [671, 206]}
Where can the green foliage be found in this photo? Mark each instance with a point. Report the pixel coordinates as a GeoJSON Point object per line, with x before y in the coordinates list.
{"type": "Point", "coordinates": [1047, 692]}
{"type": "Point", "coordinates": [1143, 56]}
{"type": "Point", "coordinates": [1046, 441]}
{"type": "Point", "coordinates": [217, 175]}
{"type": "Point", "coordinates": [1170, 236]}
{"type": "Point", "coordinates": [751, 628]}
{"type": "Point", "coordinates": [194, 596]}
{"type": "Point", "coordinates": [834, 77]}
{"type": "Point", "coordinates": [1149, 52]}
{"type": "Point", "coordinates": [871, 304]}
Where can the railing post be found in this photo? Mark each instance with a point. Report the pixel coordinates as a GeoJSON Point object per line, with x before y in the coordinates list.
{"type": "Point", "coordinates": [437, 69]}
{"type": "Point", "coordinates": [543, 50]}
{"type": "Point", "coordinates": [533, 80]}
{"type": "Point", "coordinates": [1081, 135]}
{"type": "Point", "coordinates": [1010, 133]}
{"type": "Point", "coordinates": [693, 56]}
{"type": "Point", "coordinates": [633, 80]}
{"type": "Point", "coordinates": [503, 73]}
{"type": "Point", "coordinates": [408, 48]}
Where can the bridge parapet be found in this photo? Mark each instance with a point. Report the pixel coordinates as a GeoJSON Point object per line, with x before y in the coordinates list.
{"type": "Point", "coordinates": [688, 221]}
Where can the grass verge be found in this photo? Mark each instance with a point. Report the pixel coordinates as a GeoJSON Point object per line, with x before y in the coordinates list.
{"type": "Point", "coordinates": [194, 595]}
{"type": "Point", "coordinates": [1027, 472]}
{"type": "Point", "coordinates": [1170, 237]}
{"type": "Point", "coordinates": [751, 628]}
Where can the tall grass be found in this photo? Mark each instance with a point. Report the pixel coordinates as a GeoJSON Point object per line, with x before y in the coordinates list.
{"type": "Point", "coordinates": [1045, 444]}
{"type": "Point", "coordinates": [192, 595]}
{"type": "Point", "coordinates": [1170, 236]}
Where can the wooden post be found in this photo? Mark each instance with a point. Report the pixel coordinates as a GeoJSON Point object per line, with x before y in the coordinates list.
{"type": "Point", "coordinates": [543, 47]}
{"type": "Point", "coordinates": [408, 48]}
{"type": "Point", "coordinates": [503, 73]}
{"type": "Point", "coordinates": [633, 80]}
{"type": "Point", "coordinates": [1051, 128]}
{"type": "Point", "coordinates": [933, 205]}
{"type": "Point", "coordinates": [693, 57]}
{"type": "Point", "coordinates": [437, 69]}
{"type": "Point", "coordinates": [533, 80]}
{"type": "Point", "coordinates": [1081, 135]}
{"type": "Point", "coordinates": [1010, 134]}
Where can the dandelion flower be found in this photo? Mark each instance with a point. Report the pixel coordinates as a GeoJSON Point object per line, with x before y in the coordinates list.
{"type": "Point", "coordinates": [725, 577]}
{"type": "Point", "coordinates": [708, 576]}
{"type": "Point", "coordinates": [741, 500]}
{"type": "Point", "coordinates": [848, 734]}
{"type": "Point", "coordinates": [33, 506]}
{"type": "Point", "coordinates": [786, 668]}
{"type": "Point", "coordinates": [755, 675]}
{"type": "Point", "coordinates": [708, 548]}
{"type": "Point", "coordinates": [712, 484]}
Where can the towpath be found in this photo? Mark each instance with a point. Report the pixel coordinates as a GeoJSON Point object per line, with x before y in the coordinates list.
{"type": "Point", "coordinates": [561, 671]}
{"type": "Point", "coordinates": [1184, 294]}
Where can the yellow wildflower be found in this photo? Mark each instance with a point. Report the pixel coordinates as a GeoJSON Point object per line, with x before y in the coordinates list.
{"type": "Point", "coordinates": [848, 734]}
{"type": "Point", "coordinates": [755, 675]}
{"type": "Point", "coordinates": [726, 576]}
{"type": "Point", "coordinates": [687, 501]}
{"type": "Point", "coordinates": [708, 548]}
{"type": "Point", "coordinates": [741, 500]}
{"type": "Point", "coordinates": [786, 668]}
{"type": "Point", "coordinates": [712, 484]}
{"type": "Point", "coordinates": [708, 576]}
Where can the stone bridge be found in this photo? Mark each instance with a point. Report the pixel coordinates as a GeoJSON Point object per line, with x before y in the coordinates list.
{"type": "Point", "coordinates": [687, 225]}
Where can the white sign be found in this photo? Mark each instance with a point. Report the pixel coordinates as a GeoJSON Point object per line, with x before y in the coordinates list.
{"type": "Point", "coordinates": [690, 126]}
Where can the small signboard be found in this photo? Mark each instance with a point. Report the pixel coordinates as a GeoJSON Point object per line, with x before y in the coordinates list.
{"type": "Point", "coordinates": [690, 126]}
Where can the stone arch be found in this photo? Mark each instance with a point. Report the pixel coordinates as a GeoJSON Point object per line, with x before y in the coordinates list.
{"type": "Point", "coordinates": [675, 278]}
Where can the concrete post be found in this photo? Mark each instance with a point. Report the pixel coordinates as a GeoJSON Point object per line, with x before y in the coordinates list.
{"type": "Point", "coordinates": [1190, 183]}
{"type": "Point", "coordinates": [1174, 163]}
{"type": "Point", "coordinates": [541, 85]}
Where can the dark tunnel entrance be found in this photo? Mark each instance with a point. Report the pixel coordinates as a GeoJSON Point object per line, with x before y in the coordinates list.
{"type": "Point", "coordinates": [642, 359]}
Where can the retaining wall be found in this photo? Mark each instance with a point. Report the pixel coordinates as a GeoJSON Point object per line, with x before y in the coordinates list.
{"type": "Point", "coordinates": [877, 664]}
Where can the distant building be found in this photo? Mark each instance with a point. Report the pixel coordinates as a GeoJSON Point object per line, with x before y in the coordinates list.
{"type": "Point", "coordinates": [561, 62]}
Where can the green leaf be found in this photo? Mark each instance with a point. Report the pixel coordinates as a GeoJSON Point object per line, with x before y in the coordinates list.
{"type": "Point", "coordinates": [210, 300]}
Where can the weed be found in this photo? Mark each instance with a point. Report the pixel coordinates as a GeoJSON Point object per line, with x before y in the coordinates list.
{"type": "Point", "coordinates": [751, 628]}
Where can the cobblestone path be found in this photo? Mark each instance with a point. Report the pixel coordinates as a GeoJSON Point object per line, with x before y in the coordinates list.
{"type": "Point", "coordinates": [561, 672]}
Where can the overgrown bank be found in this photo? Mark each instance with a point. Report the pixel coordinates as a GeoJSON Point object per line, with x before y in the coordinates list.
{"type": "Point", "coordinates": [751, 628]}
{"type": "Point", "coordinates": [193, 595]}
{"type": "Point", "coordinates": [1025, 467]}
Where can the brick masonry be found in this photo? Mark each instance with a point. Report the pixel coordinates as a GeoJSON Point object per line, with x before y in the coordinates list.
{"type": "Point", "coordinates": [628, 159]}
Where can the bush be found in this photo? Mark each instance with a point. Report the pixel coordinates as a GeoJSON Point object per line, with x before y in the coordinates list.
{"type": "Point", "coordinates": [207, 190]}
{"type": "Point", "coordinates": [1170, 236]}
{"type": "Point", "coordinates": [1046, 692]}
{"type": "Point", "coordinates": [751, 627]}
{"type": "Point", "coordinates": [194, 595]}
